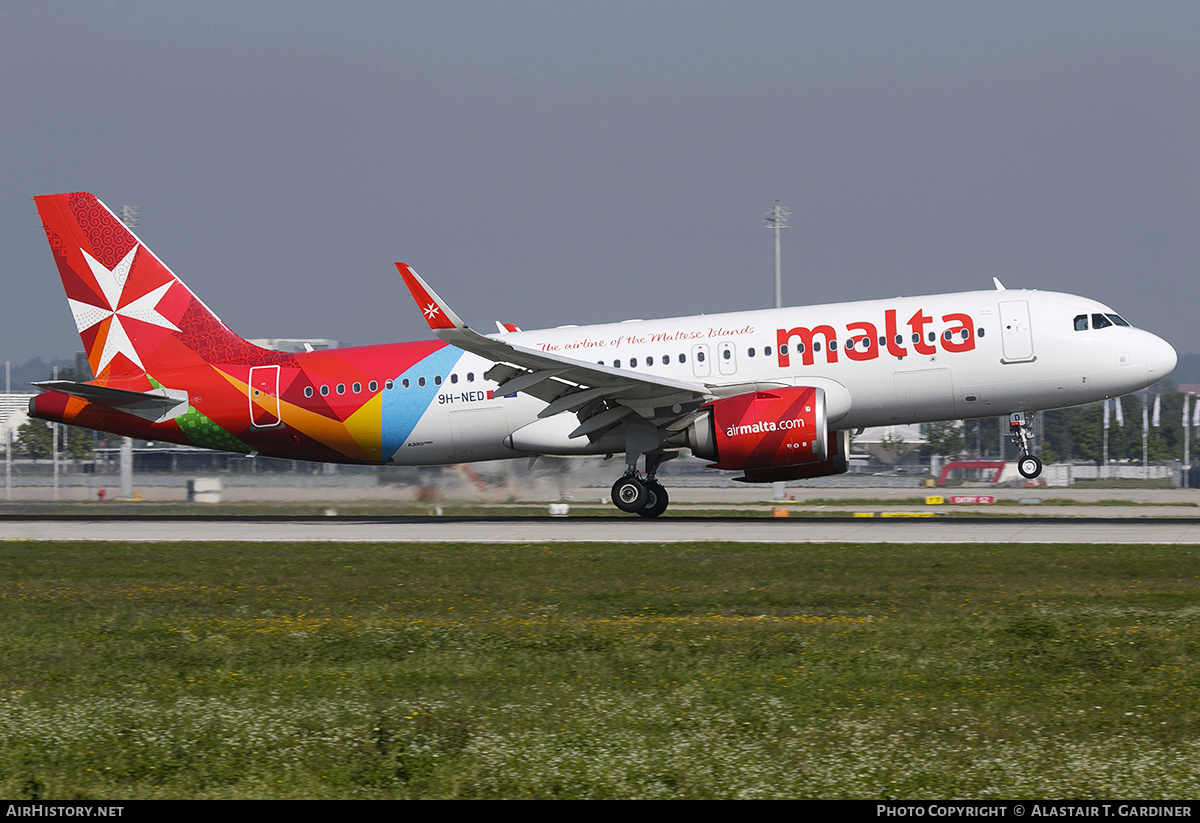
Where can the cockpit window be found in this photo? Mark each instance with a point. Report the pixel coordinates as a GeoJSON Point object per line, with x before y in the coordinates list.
{"type": "Point", "coordinates": [1099, 321]}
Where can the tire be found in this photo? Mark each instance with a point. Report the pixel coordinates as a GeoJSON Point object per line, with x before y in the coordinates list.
{"type": "Point", "coordinates": [656, 500]}
{"type": "Point", "coordinates": [629, 494]}
{"type": "Point", "coordinates": [1029, 467]}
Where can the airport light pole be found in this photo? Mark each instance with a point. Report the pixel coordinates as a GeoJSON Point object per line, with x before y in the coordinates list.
{"type": "Point", "coordinates": [54, 445]}
{"type": "Point", "coordinates": [7, 434]}
{"type": "Point", "coordinates": [1187, 438]}
{"type": "Point", "coordinates": [777, 220]}
{"type": "Point", "coordinates": [129, 216]}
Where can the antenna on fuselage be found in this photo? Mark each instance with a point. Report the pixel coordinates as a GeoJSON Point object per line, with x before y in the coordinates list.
{"type": "Point", "coordinates": [777, 220]}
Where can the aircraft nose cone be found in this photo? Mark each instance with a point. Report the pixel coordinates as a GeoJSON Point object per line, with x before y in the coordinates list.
{"type": "Point", "coordinates": [1160, 359]}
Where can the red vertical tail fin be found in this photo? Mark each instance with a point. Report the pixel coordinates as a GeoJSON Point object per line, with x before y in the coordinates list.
{"type": "Point", "coordinates": [133, 314]}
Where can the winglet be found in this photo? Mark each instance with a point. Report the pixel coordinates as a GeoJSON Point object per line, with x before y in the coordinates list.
{"type": "Point", "coordinates": [999, 285]}
{"type": "Point", "coordinates": [437, 314]}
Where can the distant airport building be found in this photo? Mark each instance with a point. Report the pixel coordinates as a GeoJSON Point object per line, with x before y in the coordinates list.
{"type": "Point", "coordinates": [83, 369]}
{"type": "Point", "coordinates": [296, 344]}
{"type": "Point", "coordinates": [14, 412]}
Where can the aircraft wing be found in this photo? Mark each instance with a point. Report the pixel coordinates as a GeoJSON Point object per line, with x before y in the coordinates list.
{"type": "Point", "coordinates": [601, 395]}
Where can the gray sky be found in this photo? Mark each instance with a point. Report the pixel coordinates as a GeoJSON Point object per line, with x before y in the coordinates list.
{"type": "Point", "coordinates": [554, 162]}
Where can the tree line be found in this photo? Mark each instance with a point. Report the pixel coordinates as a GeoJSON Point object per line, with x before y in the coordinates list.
{"type": "Point", "coordinates": [1077, 433]}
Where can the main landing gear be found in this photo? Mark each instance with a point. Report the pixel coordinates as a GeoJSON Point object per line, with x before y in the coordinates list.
{"type": "Point", "coordinates": [637, 495]}
{"type": "Point", "coordinates": [1019, 424]}
{"type": "Point", "coordinates": [642, 495]}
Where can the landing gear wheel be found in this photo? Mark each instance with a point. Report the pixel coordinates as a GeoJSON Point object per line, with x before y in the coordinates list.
{"type": "Point", "coordinates": [656, 500]}
{"type": "Point", "coordinates": [1029, 466]}
{"type": "Point", "coordinates": [629, 494]}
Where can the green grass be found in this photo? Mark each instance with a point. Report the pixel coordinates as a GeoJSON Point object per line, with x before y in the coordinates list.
{"type": "Point", "coordinates": [695, 671]}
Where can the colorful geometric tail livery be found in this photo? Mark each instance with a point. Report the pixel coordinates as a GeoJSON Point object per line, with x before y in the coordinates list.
{"type": "Point", "coordinates": [167, 368]}
{"type": "Point", "coordinates": [724, 386]}
{"type": "Point", "coordinates": [133, 314]}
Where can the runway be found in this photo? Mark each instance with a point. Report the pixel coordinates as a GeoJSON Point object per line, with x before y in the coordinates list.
{"type": "Point", "coordinates": [1166, 530]}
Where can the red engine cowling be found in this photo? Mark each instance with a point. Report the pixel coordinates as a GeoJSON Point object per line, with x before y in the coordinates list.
{"type": "Point", "coordinates": [838, 462]}
{"type": "Point", "coordinates": [763, 430]}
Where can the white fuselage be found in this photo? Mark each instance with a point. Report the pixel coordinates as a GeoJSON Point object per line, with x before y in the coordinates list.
{"type": "Point", "coordinates": [900, 360]}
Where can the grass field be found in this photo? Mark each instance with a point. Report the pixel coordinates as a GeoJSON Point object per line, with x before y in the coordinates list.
{"type": "Point", "coordinates": [691, 671]}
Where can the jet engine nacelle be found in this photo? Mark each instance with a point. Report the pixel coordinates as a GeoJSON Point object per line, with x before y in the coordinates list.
{"type": "Point", "coordinates": [838, 462]}
{"type": "Point", "coordinates": [784, 427]}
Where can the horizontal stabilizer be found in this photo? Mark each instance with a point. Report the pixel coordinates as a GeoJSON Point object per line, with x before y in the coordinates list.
{"type": "Point", "coordinates": [155, 405]}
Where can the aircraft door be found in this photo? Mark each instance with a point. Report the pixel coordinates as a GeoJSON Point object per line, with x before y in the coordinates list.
{"type": "Point", "coordinates": [1016, 331]}
{"type": "Point", "coordinates": [264, 396]}
{"type": "Point", "coordinates": [727, 358]}
{"type": "Point", "coordinates": [700, 365]}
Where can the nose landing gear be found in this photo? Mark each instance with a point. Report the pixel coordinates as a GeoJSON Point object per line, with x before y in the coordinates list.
{"type": "Point", "coordinates": [1019, 424]}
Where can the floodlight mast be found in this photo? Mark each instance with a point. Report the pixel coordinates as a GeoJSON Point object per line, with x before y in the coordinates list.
{"type": "Point", "coordinates": [129, 216]}
{"type": "Point", "coordinates": [777, 220]}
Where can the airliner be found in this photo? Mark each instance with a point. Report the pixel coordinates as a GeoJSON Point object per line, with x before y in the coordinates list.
{"type": "Point", "coordinates": [773, 394]}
